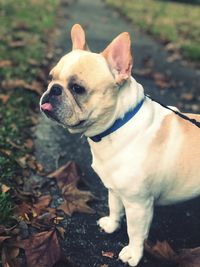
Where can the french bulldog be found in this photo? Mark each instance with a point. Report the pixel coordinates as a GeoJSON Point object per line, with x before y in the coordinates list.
{"type": "Point", "coordinates": [145, 154]}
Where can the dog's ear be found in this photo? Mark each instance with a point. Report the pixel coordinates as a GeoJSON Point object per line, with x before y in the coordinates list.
{"type": "Point", "coordinates": [119, 58]}
{"type": "Point", "coordinates": [78, 38]}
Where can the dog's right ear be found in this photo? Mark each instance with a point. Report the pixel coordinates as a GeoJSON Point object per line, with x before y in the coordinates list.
{"type": "Point", "coordinates": [78, 38]}
{"type": "Point", "coordinates": [119, 58]}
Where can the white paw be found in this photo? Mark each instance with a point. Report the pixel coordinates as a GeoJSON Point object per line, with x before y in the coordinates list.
{"type": "Point", "coordinates": [131, 255]}
{"type": "Point", "coordinates": [108, 224]}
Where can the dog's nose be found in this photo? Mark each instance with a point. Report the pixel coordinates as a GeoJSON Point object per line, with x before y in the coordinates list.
{"type": "Point", "coordinates": [56, 90]}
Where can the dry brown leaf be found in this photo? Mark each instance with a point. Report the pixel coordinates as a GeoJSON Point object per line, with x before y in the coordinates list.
{"type": "Point", "coordinates": [6, 151]}
{"type": "Point", "coordinates": [3, 238]}
{"type": "Point", "coordinates": [146, 72]}
{"type": "Point", "coordinates": [5, 188]}
{"type": "Point", "coordinates": [74, 199]}
{"type": "Point", "coordinates": [22, 161]}
{"type": "Point", "coordinates": [14, 145]}
{"type": "Point", "coordinates": [4, 98]}
{"type": "Point", "coordinates": [34, 86]}
{"type": "Point", "coordinates": [42, 249]}
{"type": "Point", "coordinates": [23, 210]}
{"type": "Point", "coordinates": [189, 257]}
{"type": "Point", "coordinates": [188, 96]}
{"type": "Point", "coordinates": [29, 143]}
{"type": "Point", "coordinates": [8, 257]}
{"type": "Point", "coordinates": [161, 80]}
{"type": "Point", "coordinates": [61, 231]}
{"type": "Point", "coordinates": [164, 252]}
{"type": "Point", "coordinates": [161, 251]}
{"type": "Point", "coordinates": [66, 174]}
{"type": "Point", "coordinates": [108, 254]}
{"type": "Point", "coordinates": [28, 211]}
{"type": "Point", "coordinates": [5, 63]}
{"type": "Point", "coordinates": [42, 204]}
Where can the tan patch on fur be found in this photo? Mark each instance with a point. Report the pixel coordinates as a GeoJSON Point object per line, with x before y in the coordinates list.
{"type": "Point", "coordinates": [193, 116]}
{"type": "Point", "coordinates": [182, 165]}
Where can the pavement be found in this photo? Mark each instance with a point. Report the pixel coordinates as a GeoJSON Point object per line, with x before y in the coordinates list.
{"type": "Point", "coordinates": [178, 224]}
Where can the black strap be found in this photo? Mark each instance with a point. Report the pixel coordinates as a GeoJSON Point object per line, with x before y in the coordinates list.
{"type": "Point", "coordinates": [183, 116]}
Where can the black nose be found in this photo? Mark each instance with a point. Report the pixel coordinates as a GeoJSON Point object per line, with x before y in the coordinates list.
{"type": "Point", "coordinates": [56, 90]}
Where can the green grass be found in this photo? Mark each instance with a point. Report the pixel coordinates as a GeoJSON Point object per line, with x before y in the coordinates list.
{"type": "Point", "coordinates": [5, 208]}
{"type": "Point", "coordinates": [24, 31]}
{"type": "Point", "coordinates": [171, 22]}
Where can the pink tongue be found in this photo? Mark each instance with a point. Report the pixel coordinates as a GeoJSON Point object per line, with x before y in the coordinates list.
{"type": "Point", "coordinates": [46, 107]}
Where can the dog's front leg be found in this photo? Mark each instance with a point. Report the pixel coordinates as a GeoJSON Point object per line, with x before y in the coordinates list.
{"type": "Point", "coordinates": [112, 222]}
{"type": "Point", "coordinates": [139, 216]}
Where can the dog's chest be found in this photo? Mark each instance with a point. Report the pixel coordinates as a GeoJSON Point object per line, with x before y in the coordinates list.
{"type": "Point", "coordinates": [119, 164]}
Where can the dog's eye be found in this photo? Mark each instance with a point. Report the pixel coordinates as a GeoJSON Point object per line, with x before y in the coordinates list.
{"type": "Point", "coordinates": [77, 89]}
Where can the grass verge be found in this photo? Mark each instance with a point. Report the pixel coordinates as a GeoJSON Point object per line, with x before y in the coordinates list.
{"type": "Point", "coordinates": [24, 30]}
{"type": "Point", "coordinates": [171, 22]}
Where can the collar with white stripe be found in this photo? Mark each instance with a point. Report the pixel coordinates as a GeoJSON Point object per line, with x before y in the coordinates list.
{"type": "Point", "coordinates": [118, 123]}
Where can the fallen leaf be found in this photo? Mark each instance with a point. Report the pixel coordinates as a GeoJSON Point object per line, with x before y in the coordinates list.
{"type": "Point", "coordinates": [66, 174]}
{"type": "Point", "coordinates": [4, 98]}
{"type": "Point", "coordinates": [3, 238]}
{"type": "Point", "coordinates": [14, 145]}
{"type": "Point", "coordinates": [28, 143]}
{"type": "Point", "coordinates": [8, 257]}
{"type": "Point", "coordinates": [42, 249]}
{"type": "Point", "coordinates": [195, 108]}
{"type": "Point", "coordinates": [6, 151]}
{"type": "Point", "coordinates": [34, 86]}
{"type": "Point", "coordinates": [5, 63]}
{"type": "Point", "coordinates": [61, 231]}
{"type": "Point", "coordinates": [187, 96]}
{"type": "Point", "coordinates": [42, 204]}
{"type": "Point", "coordinates": [22, 161]}
{"type": "Point", "coordinates": [161, 80]}
{"type": "Point", "coordinates": [28, 211]}
{"type": "Point", "coordinates": [27, 197]}
{"type": "Point", "coordinates": [5, 188]}
{"type": "Point", "coordinates": [107, 254]}
{"type": "Point", "coordinates": [146, 72]}
{"type": "Point", "coordinates": [23, 210]}
{"type": "Point", "coordinates": [161, 251]}
{"type": "Point", "coordinates": [74, 199]}
{"type": "Point", "coordinates": [174, 57]}
{"type": "Point", "coordinates": [189, 257]}
{"type": "Point", "coordinates": [164, 252]}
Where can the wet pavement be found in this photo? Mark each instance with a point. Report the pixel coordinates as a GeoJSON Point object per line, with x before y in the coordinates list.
{"type": "Point", "coordinates": [179, 224]}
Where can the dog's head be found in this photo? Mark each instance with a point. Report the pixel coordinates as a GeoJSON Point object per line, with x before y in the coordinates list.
{"type": "Point", "coordinates": [82, 94]}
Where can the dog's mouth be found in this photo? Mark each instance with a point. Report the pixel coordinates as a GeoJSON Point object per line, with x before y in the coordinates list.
{"type": "Point", "coordinates": [47, 108]}
{"type": "Point", "coordinates": [78, 124]}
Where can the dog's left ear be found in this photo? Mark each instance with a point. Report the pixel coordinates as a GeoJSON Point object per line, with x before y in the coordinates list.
{"type": "Point", "coordinates": [78, 38]}
{"type": "Point", "coordinates": [119, 58]}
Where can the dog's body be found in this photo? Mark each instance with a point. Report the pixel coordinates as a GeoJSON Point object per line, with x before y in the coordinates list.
{"type": "Point", "coordinates": [154, 158]}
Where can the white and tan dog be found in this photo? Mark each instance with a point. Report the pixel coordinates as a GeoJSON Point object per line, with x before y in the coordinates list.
{"type": "Point", "coordinates": [150, 156]}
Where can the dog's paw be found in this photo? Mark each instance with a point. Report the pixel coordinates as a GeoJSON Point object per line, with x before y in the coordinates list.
{"type": "Point", "coordinates": [108, 224]}
{"type": "Point", "coordinates": [130, 255]}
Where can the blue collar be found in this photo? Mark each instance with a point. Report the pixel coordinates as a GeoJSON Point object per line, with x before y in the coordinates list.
{"type": "Point", "coordinates": [118, 123]}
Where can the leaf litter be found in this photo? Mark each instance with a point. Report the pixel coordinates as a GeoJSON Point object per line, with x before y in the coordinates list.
{"type": "Point", "coordinates": [37, 230]}
{"type": "Point", "coordinates": [165, 253]}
